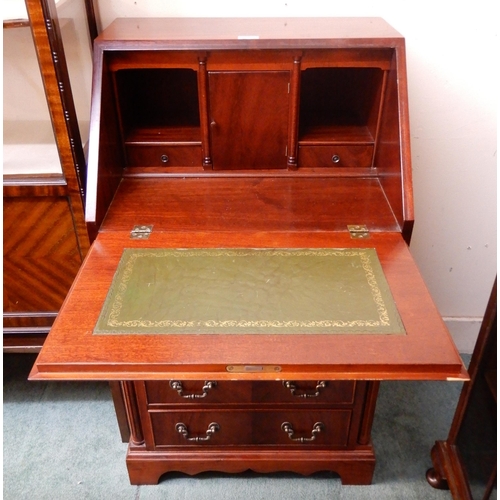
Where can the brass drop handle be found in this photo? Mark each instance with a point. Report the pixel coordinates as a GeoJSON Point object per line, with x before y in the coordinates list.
{"type": "Point", "coordinates": [335, 158]}
{"type": "Point", "coordinates": [289, 384]}
{"type": "Point", "coordinates": [317, 428]}
{"type": "Point", "coordinates": [182, 429]}
{"type": "Point", "coordinates": [176, 385]}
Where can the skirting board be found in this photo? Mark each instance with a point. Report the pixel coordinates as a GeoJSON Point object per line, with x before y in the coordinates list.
{"type": "Point", "coordinates": [464, 331]}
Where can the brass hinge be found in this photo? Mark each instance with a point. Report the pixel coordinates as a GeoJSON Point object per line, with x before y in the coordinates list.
{"type": "Point", "coordinates": [141, 232]}
{"type": "Point", "coordinates": [358, 231]}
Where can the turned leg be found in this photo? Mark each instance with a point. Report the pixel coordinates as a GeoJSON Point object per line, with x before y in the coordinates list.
{"type": "Point", "coordinates": [436, 476]}
{"type": "Point", "coordinates": [435, 479]}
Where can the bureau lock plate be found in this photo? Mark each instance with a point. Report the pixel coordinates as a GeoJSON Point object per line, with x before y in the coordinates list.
{"type": "Point", "coordinates": [141, 232]}
{"type": "Point", "coordinates": [253, 368]}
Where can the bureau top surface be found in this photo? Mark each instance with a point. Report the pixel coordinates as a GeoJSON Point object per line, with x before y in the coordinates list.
{"type": "Point", "coordinates": [250, 32]}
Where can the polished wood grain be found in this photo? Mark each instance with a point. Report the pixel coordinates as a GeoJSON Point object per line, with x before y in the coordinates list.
{"type": "Point", "coordinates": [392, 155]}
{"type": "Point", "coordinates": [365, 46]}
{"type": "Point", "coordinates": [252, 414]}
{"type": "Point", "coordinates": [339, 156]}
{"type": "Point", "coordinates": [73, 352]}
{"type": "Point", "coordinates": [250, 203]}
{"type": "Point", "coordinates": [160, 394]}
{"type": "Point", "coordinates": [355, 467]}
{"type": "Point", "coordinates": [45, 235]}
{"type": "Point", "coordinates": [264, 90]}
{"type": "Point", "coordinates": [51, 57]}
{"type": "Point", "coordinates": [253, 32]}
{"type": "Point", "coordinates": [40, 254]}
{"type": "Point", "coordinates": [256, 121]}
{"type": "Point", "coordinates": [466, 462]}
{"type": "Point", "coordinates": [165, 156]}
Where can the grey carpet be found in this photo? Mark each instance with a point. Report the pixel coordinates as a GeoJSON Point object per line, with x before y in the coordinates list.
{"type": "Point", "coordinates": [61, 441]}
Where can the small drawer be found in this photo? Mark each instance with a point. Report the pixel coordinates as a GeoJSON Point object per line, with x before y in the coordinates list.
{"type": "Point", "coordinates": [323, 392]}
{"type": "Point", "coordinates": [163, 156]}
{"type": "Point", "coordinates": [201, 428]}
{"type": "Point", "coordinates": [336, 156]}
{"type": "Point", "coordinates": [289, 427]}
{"type": "Point", "coordinates": [198, 392]}
{"type": "Point", "coordinates": [302, 427]}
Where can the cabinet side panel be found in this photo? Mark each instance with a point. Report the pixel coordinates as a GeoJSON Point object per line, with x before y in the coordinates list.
{"type": "Point", "coordinates": [106, 157]}
{"type": "Point", "coordinates": [40, 255]}
{"type": "Point", "coordinates": [392, 158]}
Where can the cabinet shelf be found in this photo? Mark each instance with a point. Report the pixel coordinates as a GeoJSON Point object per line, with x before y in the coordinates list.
{"type": "Point", "coordinates": [336, 134]}
{"type": "Point", "coordinates": [180, 135]}
{"type": "Point", "coordinates": [339, 104]}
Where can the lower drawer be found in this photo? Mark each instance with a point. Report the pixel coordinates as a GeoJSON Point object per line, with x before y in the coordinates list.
{"type": "Point", "coordinates": [290, 427]}
{"type": "Point", "coordinates": [163, 156]}
{"type": "Point", "coordinates": [359, 156]}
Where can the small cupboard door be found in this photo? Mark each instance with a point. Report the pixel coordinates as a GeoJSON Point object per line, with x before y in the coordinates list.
{"type": "Point", "coordinates": [249, 119]}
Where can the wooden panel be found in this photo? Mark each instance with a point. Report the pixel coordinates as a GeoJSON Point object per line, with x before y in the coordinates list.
{"type": "Point", "coordinates": [235, 427]}
{"type": "Point", "coordinates": [250, 204]}
{"type": "Point", "coordinates": [333, 431]}
{"type": "Point", "coordinates": [154, 59]}
{"type": "Point", "coordinates": [34, 185]}
{"type": "Point", "coordinates": [244, 33]}
{"type": "Point", "coordinates": [163, 156]}
{"type": "Point", "coordinates": [304, 392]}
{"type": "Point", "coordinates": [252, 133]}
{"type": "Point", "coordinates": [41, 255]}
{"type": "Point", "coordinates": [336, 156]}
{"type": "Point", "coordinates": [425, 352]}
{"type": "Point", "coordinates": [39, 321]}
{"type": "Point", "coordinates": [223, 392]}
{"type": "Point", "coordinates": [240, 427]}
{"type": "Point", "coordinates": [51, 57]}
{"type": "Point", "coordinates": [106, 156]}
{"type": "Point", "coordinates": [162, 392]}
{"type": "Point", "coordinates": [392, 156]}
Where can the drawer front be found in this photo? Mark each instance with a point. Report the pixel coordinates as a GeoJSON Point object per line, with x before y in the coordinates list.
{"type": "Point", "coordinates": [193, 428]}
{"type": "Point", "coordinates": [164, 156]}
{"type": "Point", "coordinates": [293, 427]}
{"type": "Point", "coordinates": [304, 392]}
{"type": "Point", "coordinates": [289, 427]}
{"type": "Point", "coordinates": [228, 392]}
{"type": "Point", "coordinates": [198, 392]}
{"type": "Point", "coordinates": [335, 156]}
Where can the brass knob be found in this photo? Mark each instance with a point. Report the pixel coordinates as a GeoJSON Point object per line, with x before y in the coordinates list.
{"type": "Point", "coordinates": [164, 158]}
{"type": "Point", "coordinates": [335, 158]}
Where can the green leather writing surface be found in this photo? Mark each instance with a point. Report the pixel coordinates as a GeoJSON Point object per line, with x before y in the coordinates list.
{"type": "Point", "coordinates": [258, 291]}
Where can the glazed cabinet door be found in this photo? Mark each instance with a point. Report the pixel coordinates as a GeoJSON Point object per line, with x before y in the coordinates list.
{"type": "Point", "coordinates": [249, 119]}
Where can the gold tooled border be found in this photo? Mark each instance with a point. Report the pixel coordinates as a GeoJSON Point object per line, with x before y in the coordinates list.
{"type": "Point", "coordinates": [364, 254]}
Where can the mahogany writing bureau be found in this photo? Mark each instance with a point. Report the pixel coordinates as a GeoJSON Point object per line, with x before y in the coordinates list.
{"type": "Point", "coordinates": [241, 138]}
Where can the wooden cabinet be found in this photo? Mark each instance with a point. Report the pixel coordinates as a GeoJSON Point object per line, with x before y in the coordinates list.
{"type": "Point", "coordinates": [250, 134]}
{"type": "Point", "coordinates": [41, 256]}
{"type": "Point", "coordinates": [44, 232]}
{"type": "Point", "coordinates": [257, 122]}
{"type": "Point", "coordinates": [466, 462]}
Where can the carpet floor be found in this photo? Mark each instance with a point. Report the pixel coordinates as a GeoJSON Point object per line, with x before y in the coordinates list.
{"type": "Point", "coordinates": [61, 441]}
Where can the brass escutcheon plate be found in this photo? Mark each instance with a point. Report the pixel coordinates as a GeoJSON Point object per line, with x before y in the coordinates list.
{"type": "Point", "coordinates": [253, 368]}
